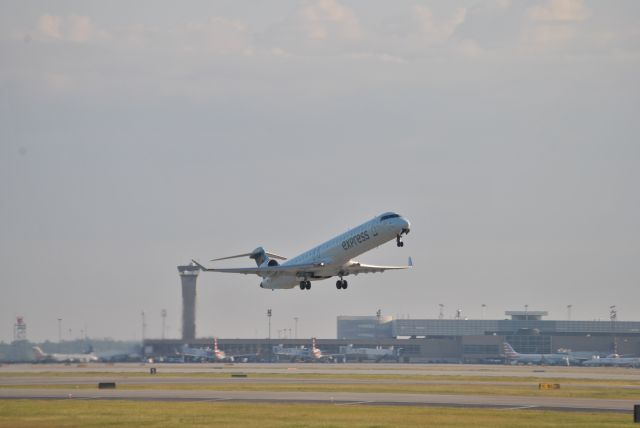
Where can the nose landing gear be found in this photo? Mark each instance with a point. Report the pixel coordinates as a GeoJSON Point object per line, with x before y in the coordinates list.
{"type": "Point", "coordinates": [399, 242]}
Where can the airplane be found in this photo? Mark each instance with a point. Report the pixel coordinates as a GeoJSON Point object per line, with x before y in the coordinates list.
{"type": "Point", "coordinates": [332, 258]}
{"type": "Point", "coordinates": [64, 358]}
{"type": "Point", "coordinates": [613, 360]}
{"type": "Point", "coordinates": [196, 354]}
{"type": "Point", "coordinates": [376, 354]}
{"type": "Point", "coordinates": [292, 354]}
{"type": "Point", "coordinates": [302, 353]}
{"type": "Point", "coordinates": [511, 355]}
{"type": "Point", "coordinates": [213, 355]}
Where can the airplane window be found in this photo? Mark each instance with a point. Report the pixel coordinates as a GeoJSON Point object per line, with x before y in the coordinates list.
{"type": "Point", "coordinates": [388, 216]}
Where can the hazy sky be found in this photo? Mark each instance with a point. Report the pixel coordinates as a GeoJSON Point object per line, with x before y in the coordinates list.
{"type": "Point", "coordinates": [137, 135]}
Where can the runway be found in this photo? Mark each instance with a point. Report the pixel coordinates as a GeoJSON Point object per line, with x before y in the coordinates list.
{"type": "Point", "coordinates": [58, 381]}
{"type": "Point", "coordinates": [336, 398]}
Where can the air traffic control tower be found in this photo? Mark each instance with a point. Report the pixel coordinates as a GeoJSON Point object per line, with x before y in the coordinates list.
{"type": "Point", "coordinates": [188, 276]}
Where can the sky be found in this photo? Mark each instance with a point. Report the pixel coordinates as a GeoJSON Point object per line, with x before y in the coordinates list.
{"type": "Point", "coordinates": [135, 136]}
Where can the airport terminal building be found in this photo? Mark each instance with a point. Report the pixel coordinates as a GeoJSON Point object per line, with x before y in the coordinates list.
{"type": "Point", "coordinates": [444, 340]}
{"type": "Point", "coordinates": [470, 340]}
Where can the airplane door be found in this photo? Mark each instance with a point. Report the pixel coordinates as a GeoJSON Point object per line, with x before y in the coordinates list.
{"type": "Point", "coordinates": [374, 230]}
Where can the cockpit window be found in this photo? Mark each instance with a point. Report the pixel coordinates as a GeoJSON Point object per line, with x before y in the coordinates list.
{"type": "Point", "coordinates": [388, 216]}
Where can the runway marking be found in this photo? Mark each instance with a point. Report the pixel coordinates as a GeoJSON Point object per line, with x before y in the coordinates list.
{"type": "Point", "coordinates": [519, 407]}
{"type": "Point", "coordinates": [352, 403]}
{"type": "Point", "coordinates": [211, 400]}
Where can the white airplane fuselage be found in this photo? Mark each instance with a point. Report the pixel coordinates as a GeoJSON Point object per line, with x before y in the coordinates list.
{"type": "Point", "coordinates": [337, 252]}
{"type": "Point", "coordinates": [64, 358]}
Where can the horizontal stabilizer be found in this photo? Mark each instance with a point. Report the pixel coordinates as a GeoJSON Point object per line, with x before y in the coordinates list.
{"type": "Point", "coordinates": [252, 255]}
{"type": "Point", "coordinates": [237, 256]}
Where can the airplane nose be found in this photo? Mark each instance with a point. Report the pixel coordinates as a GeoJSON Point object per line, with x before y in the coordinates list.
{"type": "Point", "coordinates": [405, 225]}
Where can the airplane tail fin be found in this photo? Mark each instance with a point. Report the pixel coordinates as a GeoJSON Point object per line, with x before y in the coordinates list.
{"type": "Point", "coordinates": [259, 255]}
{"type": "Point", "coordinates": [38, 352]}
{"type": "Point", "coordinates": [508, 351]}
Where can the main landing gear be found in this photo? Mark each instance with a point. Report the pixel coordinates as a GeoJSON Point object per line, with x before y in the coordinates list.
{"type": "Point", "coordinates": [305, 285]}
{"type": "Point", "coordinates": [342, 284]}
{"type": "Point", "coordinates": [399, 242]}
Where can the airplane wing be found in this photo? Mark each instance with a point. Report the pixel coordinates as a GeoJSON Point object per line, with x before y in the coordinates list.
{"type": "Point", "coordinates": [293, 269]}
{"type": "Point", "coordinates": [355, 268]}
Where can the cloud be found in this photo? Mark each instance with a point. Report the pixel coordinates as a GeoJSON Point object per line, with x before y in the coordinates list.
{"type": "Point", "coordinates": [216, 35]}
{"type": "Point", "coordinates": [49, 26]}
{"type": "Point", "coordinates": [73, 28]}
{"type": "Point", "coordinates": [438, 32]}
{"type": "Point", "coordinates": [79, 28]}
{"type": "Point", "coordinates": [560, 11]}
{"type": "Point", "coordinates": [327, 18]}
{"type": "Point", "coordinates": [323, 27]}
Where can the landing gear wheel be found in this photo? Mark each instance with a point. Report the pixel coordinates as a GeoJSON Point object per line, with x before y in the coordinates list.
{"type": "Point", "coordinates": [338, 284]}
{"type": "Point", "coordinates": [344, 284]}
{"type": "Point", "coordinates": [303, 285]}
{"type": "Point", "coordinates": [308, 285]}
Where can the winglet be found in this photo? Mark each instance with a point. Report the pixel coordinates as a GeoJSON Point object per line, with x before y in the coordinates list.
{"type": "Point", "coordinates": [200, 266]}
{"type": "Point", "coordinates": [410, 264]}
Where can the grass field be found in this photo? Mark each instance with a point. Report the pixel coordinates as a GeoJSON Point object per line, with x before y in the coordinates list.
{"type": "Point", "coordinates": [73, 413]}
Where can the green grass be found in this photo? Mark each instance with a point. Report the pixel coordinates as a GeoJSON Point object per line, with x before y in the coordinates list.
{"type": "Point", "coordinates": [293, 375]}
{"type": "Point", "coordinates": [73, 413]}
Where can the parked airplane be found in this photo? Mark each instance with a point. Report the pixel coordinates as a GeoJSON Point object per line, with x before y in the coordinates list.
{"type": "Point", "coordinates": [301, 353]}
{"type": "Point", "coordinates": [213, 355]}
{"type": "Point", "coordinates": [332, 258]}
{"type": "Point", "coordinates": [63, 358]}
{"type": "Point", "coordinates": [376, 354]}
{"type": "Point", "coordinates": [613, 360]}
{"type": "Point", "coordinates": [553, 359]}
{"type": "Point", "coordinates": [197, 354]}
{"type": "Point", "coordinates": [298, 353]}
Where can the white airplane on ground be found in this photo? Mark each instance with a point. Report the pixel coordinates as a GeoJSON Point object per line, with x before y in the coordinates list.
{"type": "Point", "coordinates": [376, 354]}
{"type": "Point", "coordinates": [511, 355]}
{"type": "Point", "coordinates": [613, 360]}
{"type": "Point", "coordinates": [64, 358]}
{"type": "Point", "coordinates": [333, 258]}
{"type": "Point", "coordinates": [301, 353]}
{"type": "Point", "coordinates": [213, 355]}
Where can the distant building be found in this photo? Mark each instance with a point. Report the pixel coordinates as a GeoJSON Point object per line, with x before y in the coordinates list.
{"type": "Point", "coordinates": [446, 340]}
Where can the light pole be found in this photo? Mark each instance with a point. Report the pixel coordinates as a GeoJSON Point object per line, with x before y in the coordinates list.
{"type": "Point", "coordinates": [441, 315]}
{"type": "Point", "coordinates": [59, 330]}
{"type": "Point", "coordinates": [613, 316]}
{"type": "Point", "coordinates": [144, 325]}
{"type": "Point", "coordinates": [483, 308]}
{"type": "Point", "coordinates": [269, 341]}
{"type": "Point", "coordinates": [526, 312]}
{"type": "Point", "coordinates": [569, 312]}
{"type": "Point", "coordinates": [163, 314]}
{"type": "Point", "coordinates": [295, 319]}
